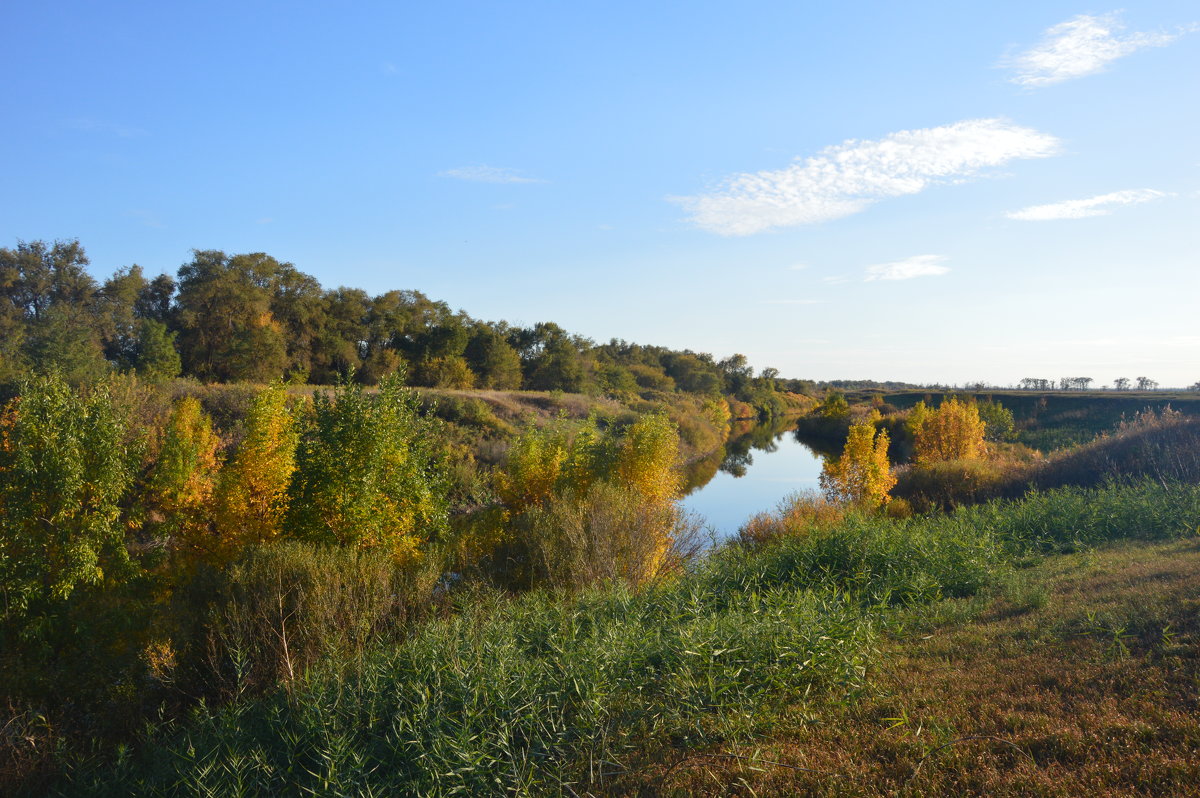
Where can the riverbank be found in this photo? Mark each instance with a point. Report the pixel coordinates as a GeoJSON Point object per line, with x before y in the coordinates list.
{"type": "Point", "coordinates": [621, 691]}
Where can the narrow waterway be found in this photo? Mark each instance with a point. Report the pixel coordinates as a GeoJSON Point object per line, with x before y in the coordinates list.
{"type": "Point", "coordinates": [757, 468]}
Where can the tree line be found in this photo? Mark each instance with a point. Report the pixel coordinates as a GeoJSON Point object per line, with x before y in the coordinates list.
{"type": "Point", "coordinates": [250, 317]}
{"type": "Point", "coordinates": [1083, 383]}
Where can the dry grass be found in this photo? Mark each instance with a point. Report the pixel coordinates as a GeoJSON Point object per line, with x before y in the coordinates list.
{"type": "Point", "coordinates": [798, 514]}
{"type": "Point", "coordinates": [1086, 681]}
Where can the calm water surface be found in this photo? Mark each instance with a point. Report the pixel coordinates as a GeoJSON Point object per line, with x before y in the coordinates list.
{"type": "Point", "coordinates": [756, 470]}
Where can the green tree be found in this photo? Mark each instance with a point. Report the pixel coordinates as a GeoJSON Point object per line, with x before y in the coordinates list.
{"type": "Point", "coordinates": [227, 330]}
{"type": "Point", "coordinates": [367, 474]}
{"type": "Point", "coordinates": [496, 364]}
{"type": "Point", "coordinates": [64, 469]}
{"type": "Point", "coordinates": [154, 355]}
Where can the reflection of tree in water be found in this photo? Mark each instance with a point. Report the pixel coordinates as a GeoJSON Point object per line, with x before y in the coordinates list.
{"type": "Point", "coordinates": [763, 438]}
{"type": "Point", "coordinates": [736, 457]}
{"type": "Point", "coordinates": [821, 446]}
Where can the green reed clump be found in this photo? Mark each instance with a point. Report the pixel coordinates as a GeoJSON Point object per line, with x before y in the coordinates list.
{"type": "Point", "coordinates": [516, 696]}
{"type": "Point", "coordinates": [1066, 519]}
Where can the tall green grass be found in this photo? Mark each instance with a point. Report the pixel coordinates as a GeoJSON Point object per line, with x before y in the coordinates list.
{"type": "Point", "coordinates": [546, 694]}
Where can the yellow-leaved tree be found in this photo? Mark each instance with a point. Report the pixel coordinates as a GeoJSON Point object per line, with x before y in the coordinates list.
{"type": "Point", "coordinates": [184, 476]}
{"type": "Point", "coordinates": [862, 476]}
{"type": "Point", "coordinates": [952, 432]}
{"type": "Point", "coordinates": [646, 457]}
{"type": "Point", "coordinates": [252, 494]}
{"type": "Point", "coordinates": [645, 464]}
{"type": "Point", "coordinates": [530, 474]}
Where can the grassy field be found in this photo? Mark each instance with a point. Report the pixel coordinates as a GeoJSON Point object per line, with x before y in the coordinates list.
{"type": "Point", "coordinates": [1054, 419]}
{"type": "Point", "coordinates": [821, 650]}
{"type": "Point", "coordinates": [1082, 679]}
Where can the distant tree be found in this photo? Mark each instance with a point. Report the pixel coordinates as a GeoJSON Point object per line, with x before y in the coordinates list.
{"type": "Point", "coordinates": [155, 300]}
{"type": "Point", "coordinates": [379, 365]}
{"type": "Point", "coordinates": [344, 341]}
{"type": "Point", "coordinates": [694, 373]}
{"type": "Point", "coordinates": [495, 363]}
{"type": "Point", "coordinates": [736, 371]}
{"type": "Point", "coordinates": [154, 355]}
{"type": "Point", "coordinates": [227, 330]}
{"type": "Point", "coordinates": [834, 406]}
{"type": "Point", "coordinates": [1146, 384]}
{"type": "Point", "coordinates": [1121, 384]}
{"type": "Point", "coordinates": [49, 312]}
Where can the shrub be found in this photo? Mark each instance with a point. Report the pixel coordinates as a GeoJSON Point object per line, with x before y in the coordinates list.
{"type": "Point", "coordinates": [64, 469]}
{"type": "Point", "coordinates": [183, 478]}
{"type": "Point", "coordinates": [252, 495]}
{"type": "Point", "coordinates": [610, 532]}
{"type": "Point", "coordinates": [862, 476]}
{"type": "Point", "coordinates": [367, 475]}
{"type": "Point", "coordinates": [798, 514]}
{"type": "Point", "coordinates": [277, 610]}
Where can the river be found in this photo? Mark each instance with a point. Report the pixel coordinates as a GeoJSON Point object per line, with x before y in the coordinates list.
{"type": "Point", "coordinates": [757, 467]}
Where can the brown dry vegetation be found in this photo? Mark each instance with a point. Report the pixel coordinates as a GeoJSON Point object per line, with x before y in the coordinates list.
{"type": "Point", "coordinates": [1083, 680]}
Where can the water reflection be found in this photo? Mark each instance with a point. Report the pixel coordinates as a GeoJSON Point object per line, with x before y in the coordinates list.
{"type": "Point", "coordinates": [758, 465]}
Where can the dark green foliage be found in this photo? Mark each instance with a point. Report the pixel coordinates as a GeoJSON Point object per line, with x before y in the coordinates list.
{"type": "Point", "coordinates": [155, 356]}
{"type": "Point", "coordinates": [227, 330]}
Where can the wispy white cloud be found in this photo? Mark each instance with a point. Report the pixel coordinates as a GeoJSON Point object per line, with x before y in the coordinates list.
{"type": "Point", "coordinates": [1082, 45]}
{"type": "Point", "coordinates": [489, 174]}
{"type": "Point", "coordinates": [907, 269]}
{"type": "Point", "coordinates": [1101, 205]}
{"type": "Point", "coordinates": [792, 301]}
{"type": "Point", "coordinates": [849, 177]}
{"type": "Point", "coordinates": [836, 279]}
{"type": "Point", "coordinates": [797, 267]}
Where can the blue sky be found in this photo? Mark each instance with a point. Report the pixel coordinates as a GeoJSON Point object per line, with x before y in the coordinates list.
{"type": "Point", "coordinates": [934, 192]}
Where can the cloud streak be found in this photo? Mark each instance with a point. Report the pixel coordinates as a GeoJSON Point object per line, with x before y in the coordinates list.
{"type": "Point", "coordinates": [1082, 45]}
{"type": "Point", "coordinates": [1100, 205]}
{"type": "Point", "coordinates": [907, 269]}
{"type": "Point", "coordinates": [488, 174]}
{"type": "Point", "coordinates": [847, 178]}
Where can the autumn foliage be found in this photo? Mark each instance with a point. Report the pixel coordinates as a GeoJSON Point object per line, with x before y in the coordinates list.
{"type": "Point", "coordinates": [952, 432]}
{"type": "Point", "coordinates": [184, 477]}
{"type": "Point", "coordinates": [862, 475]}
{"type": "Point", "coordinates": [252, 495]}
